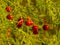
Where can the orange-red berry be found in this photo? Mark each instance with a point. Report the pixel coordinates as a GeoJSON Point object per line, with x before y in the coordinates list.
{"type": "Point", "coordinates": [29, 23]}
{"type": "Point", "coordinates": [35, 29]}
{"type": "Point", "coordinates": [10, 17]}
{"type": "Point", "coordinates": [8, 32]}
{"type": "Point", "coordinates": [46, 27]}
{"type": "Point", "coordinates": [8, 9]}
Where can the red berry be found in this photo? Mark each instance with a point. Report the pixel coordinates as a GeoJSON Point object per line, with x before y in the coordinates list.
{"type": "Point", "coordinates": [35, 29]}
{"type": "Point", "coordinates": [29, 23]}
{"type": "Point", "coordinates": [46, 27]}
{"type": "Point", "coordinates": [10, 17]}
{"type": "Point", "coordinates": [8, 9]}
{"type": "Point", "coordinates": [20, 22]}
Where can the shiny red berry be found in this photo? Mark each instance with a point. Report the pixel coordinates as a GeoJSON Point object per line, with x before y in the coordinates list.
{"type": "Point", "coordinates": [19, 24]}
{"type": "Point", "coordinates": [8, 9]}
{"type": "Point", "coordinates": [35, 29]}
{"type": "Point", "coordinates": [29, 23]}
{"type": "Point", "coordinates": [46, 27]}
{"type": "Point", "coordinates": [10, 17]}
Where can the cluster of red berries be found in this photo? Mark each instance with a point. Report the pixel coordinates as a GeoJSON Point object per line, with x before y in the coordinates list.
{"type": "Point", "coordinates": [9, 16]}
{"type": "Point", "coordinates": [28, 22]}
